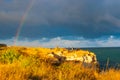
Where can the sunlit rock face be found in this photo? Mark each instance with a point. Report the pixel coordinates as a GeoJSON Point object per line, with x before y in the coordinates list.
{"type": "Point", "coordinates": [86, 58]}
{"type": "Point", "coordinates": [74, 55]}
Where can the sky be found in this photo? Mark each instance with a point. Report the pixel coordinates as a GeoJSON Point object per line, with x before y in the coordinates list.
{"type": "Point", "coordinates": [63, 23]}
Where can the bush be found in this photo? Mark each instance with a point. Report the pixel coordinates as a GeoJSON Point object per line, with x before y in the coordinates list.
{"type": "Point", "coordinates": [9, 56]}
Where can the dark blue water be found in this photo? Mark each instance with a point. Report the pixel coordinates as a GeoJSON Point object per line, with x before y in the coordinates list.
{"type": "Point", "coordinates": [110, 55]}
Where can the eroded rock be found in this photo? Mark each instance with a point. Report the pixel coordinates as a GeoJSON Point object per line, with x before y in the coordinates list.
{"type": "Point", "coordinates": [75, 55]}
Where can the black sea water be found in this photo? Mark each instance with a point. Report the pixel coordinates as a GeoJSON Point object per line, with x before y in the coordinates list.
{"type": "Point", "coordinates": [107, 56]}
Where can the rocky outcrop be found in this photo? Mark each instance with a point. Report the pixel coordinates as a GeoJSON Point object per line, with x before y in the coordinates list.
{"type": "Point", "coordinates": [59, 55]}
{"type": "Point", "coordinates": [74, 55]}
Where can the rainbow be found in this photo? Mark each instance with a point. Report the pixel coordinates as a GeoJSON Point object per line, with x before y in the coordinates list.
{"type": "Point", "coordinates": [22, 21]}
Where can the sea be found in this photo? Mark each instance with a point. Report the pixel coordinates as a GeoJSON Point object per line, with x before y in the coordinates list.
{"type": "Point", "coordinates": [107, 56]}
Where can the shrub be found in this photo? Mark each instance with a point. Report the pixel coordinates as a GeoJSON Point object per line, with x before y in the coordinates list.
{"type": "Point", "coordinates": [9, 56]}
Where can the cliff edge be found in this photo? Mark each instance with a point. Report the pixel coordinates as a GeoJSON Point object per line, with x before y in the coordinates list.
{"type": "Point", "coordinates": [59, 55]}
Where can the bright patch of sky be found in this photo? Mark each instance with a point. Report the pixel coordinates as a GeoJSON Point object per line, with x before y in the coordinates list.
{"type": "Point", "coordinates": [77, 42]}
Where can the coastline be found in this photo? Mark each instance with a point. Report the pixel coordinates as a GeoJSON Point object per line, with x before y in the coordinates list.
{"type": "Point", "coordinates": [24, 63]}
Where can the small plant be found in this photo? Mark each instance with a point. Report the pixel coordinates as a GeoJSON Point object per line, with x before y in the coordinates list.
{"type": "Point", "coordinates": [9, 56]}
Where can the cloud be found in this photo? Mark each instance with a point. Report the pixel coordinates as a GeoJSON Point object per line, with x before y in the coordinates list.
{"type": "Point", "coordinates": [56, 11]}
{"type": "Point", "coordinates": [52, 18]}
{"type": "Point", "coordinates": [76, 42]}
{"type": "Point", "coordinates": [113, 20]}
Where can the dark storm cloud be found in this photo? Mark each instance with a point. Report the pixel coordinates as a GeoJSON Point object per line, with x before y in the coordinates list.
{"type": "Point", "coordinates": [51, 18]}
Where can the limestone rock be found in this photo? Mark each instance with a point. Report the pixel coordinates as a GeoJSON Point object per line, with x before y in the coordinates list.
{"type": "Point", "coordinates": [75, 55]}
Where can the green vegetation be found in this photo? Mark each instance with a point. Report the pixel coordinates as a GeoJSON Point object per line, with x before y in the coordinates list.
{"type": "Point", "coordinates": [9, 56]}
{"type": "Point", "coordinates": [20, 64]}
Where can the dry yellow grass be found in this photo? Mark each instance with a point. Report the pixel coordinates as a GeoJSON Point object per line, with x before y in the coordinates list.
{"type": "Point", "coordinates": [110, 74]}
{"type": "Point", "coordinates": [21, 63]}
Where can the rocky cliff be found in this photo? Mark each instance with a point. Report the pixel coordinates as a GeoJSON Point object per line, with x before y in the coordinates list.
{"type": "Point", "coordinates": [58, 55]}
{"type": "Point", "coordinates": [73, 55]}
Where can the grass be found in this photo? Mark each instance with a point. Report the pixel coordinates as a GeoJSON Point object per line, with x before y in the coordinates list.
{"type": "Point", "coordinates": [19, 63]}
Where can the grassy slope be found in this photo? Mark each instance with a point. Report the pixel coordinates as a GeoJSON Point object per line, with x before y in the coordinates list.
{"type": "Point", "coordinates": [20, 63]}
